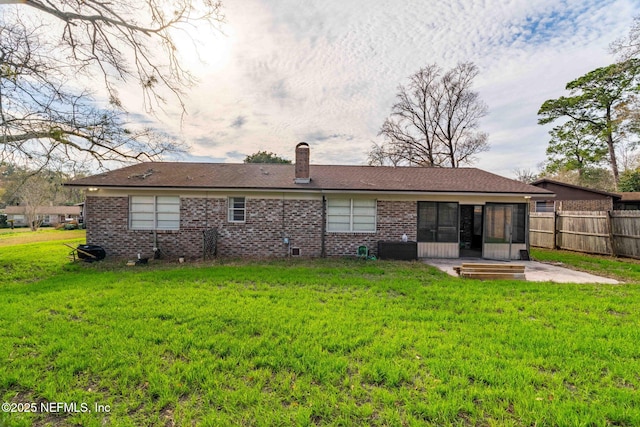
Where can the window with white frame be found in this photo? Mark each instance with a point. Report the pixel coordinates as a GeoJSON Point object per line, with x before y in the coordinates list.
{"type": "Point", "coordinates": [351, 215]}
{"type": "Point", "coordinates": [44, 219]}
{"type": "Point", "coordinates": [237, 209]}
{"type": "Point", "coordinates": [154, 212]}
{"type": "Point", "coordinates": [545, 206]}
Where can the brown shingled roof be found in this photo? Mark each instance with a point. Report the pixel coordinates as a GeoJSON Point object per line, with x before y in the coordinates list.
{"type": "Point", "coordinates": [323, 177]}
{"type": "Point", "coordinates": [541, 183]}
{"type": "Point", "coordinates": [629, 196]}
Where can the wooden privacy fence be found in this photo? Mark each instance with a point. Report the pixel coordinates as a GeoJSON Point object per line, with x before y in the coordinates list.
{"type": "Point", "coordinates": [602, 232]}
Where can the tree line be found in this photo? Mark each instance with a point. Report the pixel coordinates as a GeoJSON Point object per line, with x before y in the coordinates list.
{"type": "Point", "coordinates": [22, 187]}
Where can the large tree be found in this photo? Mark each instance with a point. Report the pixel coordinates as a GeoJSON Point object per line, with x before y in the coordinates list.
{"type": "Point", "coordinates": [49, 48]}
{"type": "Point", "coordinates": [630, 180]}
{"type": "Point", "coordinates": [34, 194]}
{"type": "Point", "coordinates": [434, 121]}
{"type": "Point", "coordinates": [600, 101]}
{"type": "Point", "coordinates": [573, 146]}
{"type": "Point", "coordinates": [265, 157]}
{"type": "Point", "coordinates": [526, 175]}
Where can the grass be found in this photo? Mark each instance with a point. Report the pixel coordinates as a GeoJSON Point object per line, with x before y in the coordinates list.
{"type": "Point", "coordinates": [20, 236]}
{"type": "Point", "coordinates": [624, 269]}
{"type": "Point", "coordinates": [32, 256]}
{"type": "Point", "coordinates": [323, 342]}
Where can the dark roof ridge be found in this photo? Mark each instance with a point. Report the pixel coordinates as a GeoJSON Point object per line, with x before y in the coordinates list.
{"type": "Point", "coordinates": [578, 187]}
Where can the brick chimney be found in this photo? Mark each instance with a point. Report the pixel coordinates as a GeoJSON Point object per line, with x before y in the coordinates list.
{"type": "Point", "coordinates": [302, 163]}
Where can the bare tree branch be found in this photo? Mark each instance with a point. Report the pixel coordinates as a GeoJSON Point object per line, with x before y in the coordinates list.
{"type": "Point", "coordinates": [628, 47]}
{"type": "Point", "coordinates": [111, 38]}
{"type": "Point", "coordinates": [434, 121]}
{"type": "Point", "coordinates": [44, 120]}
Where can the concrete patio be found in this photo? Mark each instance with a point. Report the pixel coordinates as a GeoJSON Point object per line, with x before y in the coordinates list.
{"type": "Point", "coordinates": [534, 271]}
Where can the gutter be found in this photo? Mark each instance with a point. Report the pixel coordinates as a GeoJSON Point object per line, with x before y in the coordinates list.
{"type": "Point", "coordinates": [316, 190]}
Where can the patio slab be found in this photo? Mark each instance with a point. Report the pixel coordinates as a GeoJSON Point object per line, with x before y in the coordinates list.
{"type": "Point", "coordinates": [534, 271]}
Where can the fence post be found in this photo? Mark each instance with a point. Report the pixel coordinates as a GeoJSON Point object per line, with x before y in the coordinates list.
{"type": "Point", "coordinates": [612, 238]}
{"type": "Point", "coordinates": [556, 216]}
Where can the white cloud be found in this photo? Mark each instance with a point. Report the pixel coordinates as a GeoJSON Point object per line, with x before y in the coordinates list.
{"type": "Point", "coordinates": [328, 71]}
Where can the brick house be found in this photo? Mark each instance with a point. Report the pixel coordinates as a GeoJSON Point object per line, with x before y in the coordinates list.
{"type": "Point", "coordinates": [278, 210]}
{"type": "Point", "coordinates": [571, 197]}
{"type": "Point", "coordinates": [48, 215]}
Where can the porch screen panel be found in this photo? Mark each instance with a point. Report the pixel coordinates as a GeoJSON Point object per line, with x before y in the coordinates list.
{"type": "Point", "coordinates": [438, 222]}
{"type": "Point", "coordinates": [447, 222]}
{"type": "Point", "coordinates": [427, 222]}
{"type": "Point", "coordinates": [505, 223]}
{"type": "Point", "coordinates": [519, 222]}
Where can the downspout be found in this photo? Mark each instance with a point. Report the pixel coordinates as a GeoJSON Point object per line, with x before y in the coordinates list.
{"type": "Point", "coordinates": [206, 210]}
{"type": "Point", "coordinates": [206, 225]}
{"type": "Point", "coordinates": [286, 240]}
{"type": "Point", "coordinates": [323, 227]}
{"type": "Point", "coordinates": [527, 223]}
{"type": "Point", "coordinates": [156, 250]}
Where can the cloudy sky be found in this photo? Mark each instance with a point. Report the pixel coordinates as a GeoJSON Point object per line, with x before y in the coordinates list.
{"type": "Point", "coordinates": [327, 72]}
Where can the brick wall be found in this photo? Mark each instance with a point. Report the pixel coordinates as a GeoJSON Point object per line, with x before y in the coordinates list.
{"type": "Point", "coordinates": [585, 205]}
{"type": "Point", "coordinates": [393, 220]}
{"type": "Point", "coordinates": [268, 222]}
{"type": "Point", "coordinates": [579, 205]}
{"type": "Point", "coordinates": [107, 222]}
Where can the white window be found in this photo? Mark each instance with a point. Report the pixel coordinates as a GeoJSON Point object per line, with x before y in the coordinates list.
{"type": "Point", "coordinates": [45, 219]}
{"type": "Point", "coordinates": [154, 213]}
{"type": "Point", "coordinates": [545, 206]}
{"type": "Point", "coordinates": [237, 209]}
{"type": "Point", "coordinates": [351, 215]}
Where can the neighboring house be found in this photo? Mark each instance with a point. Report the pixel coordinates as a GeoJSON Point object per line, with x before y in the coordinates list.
{"type": "Point", "coordinates": [49, 215]}
{"type": "Point", "coordinates": [628, 201]}
{"type": "Point", "coordinates": [571, 197]}
{"type": "Point", "coordinates": [277, 210]}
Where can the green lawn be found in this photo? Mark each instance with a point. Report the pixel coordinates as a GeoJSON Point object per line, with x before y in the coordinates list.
{"type": "Point", "coordinates": [27, 256]}
{"type": "Point", "coordinates": [625, 269]}
{"type": "Point", "coordinates": [21, 236]}
{"type": "Point", "coordinates": [323, 342]}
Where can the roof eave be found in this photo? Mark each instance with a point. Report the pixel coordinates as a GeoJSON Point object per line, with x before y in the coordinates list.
{"type": "Point", "coordinates": [576, 187]}
{"type": "Point", "coordinates": [319, 190]}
